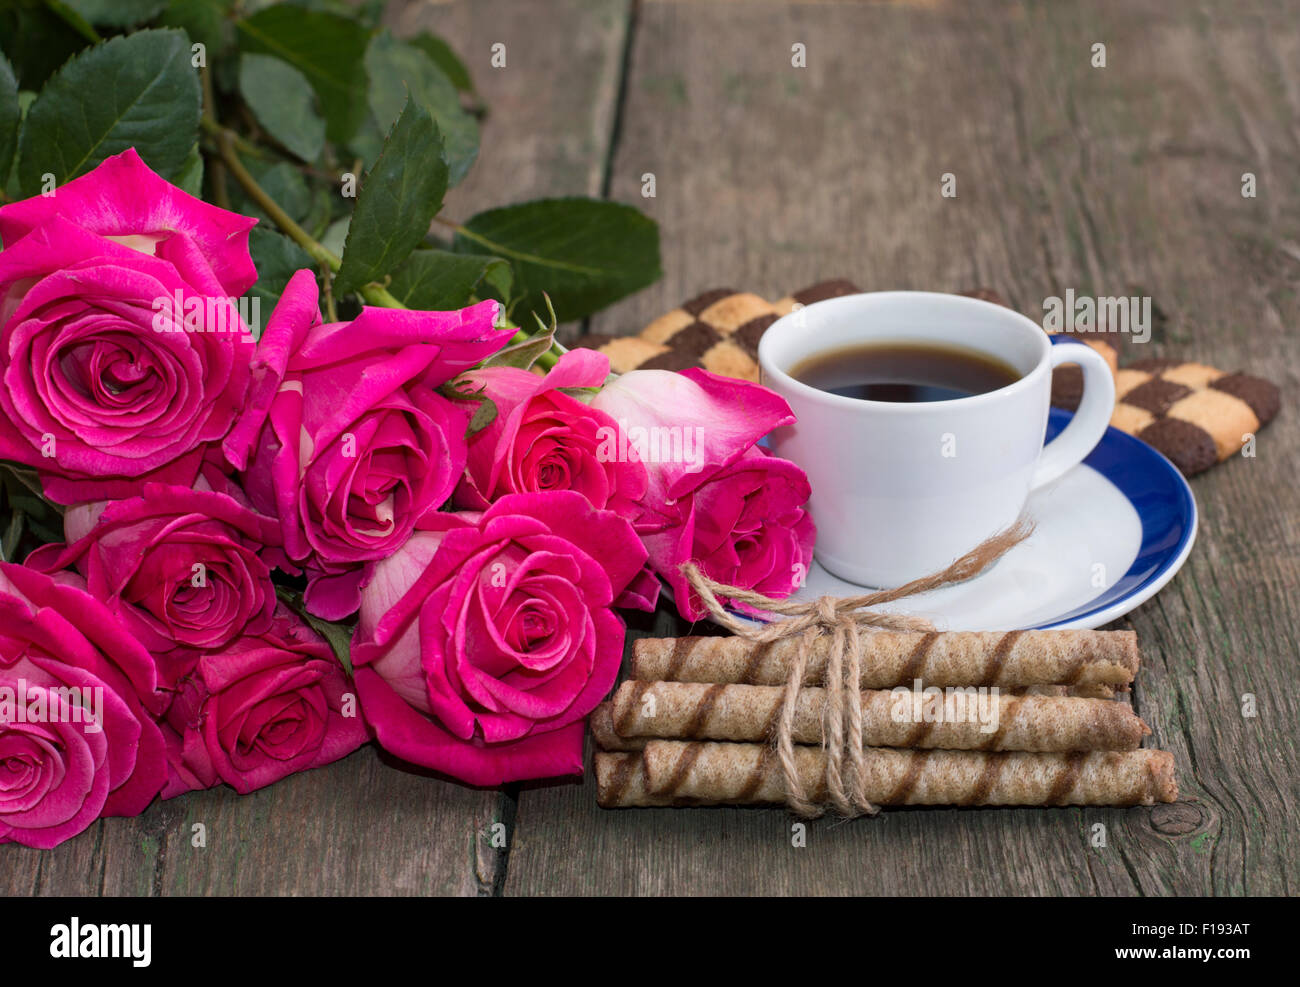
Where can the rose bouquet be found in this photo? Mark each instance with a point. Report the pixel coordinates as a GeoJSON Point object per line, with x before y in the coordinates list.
{"type": "Point", "coordinates": [231, 551]}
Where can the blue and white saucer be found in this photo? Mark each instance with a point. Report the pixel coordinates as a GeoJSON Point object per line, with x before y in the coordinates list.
{"type": "Point", "coordinates": [1108, 535]}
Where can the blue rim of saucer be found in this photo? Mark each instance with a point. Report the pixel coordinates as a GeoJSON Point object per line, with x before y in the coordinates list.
{"type": "Point", "coordinates": [1165, 507]}
{"type": "Point", "coordinates": [1164, 504]}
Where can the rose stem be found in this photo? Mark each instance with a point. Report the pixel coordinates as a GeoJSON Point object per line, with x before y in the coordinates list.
{"type": "Point", "coordinates": [219, 191]}
{"type": "Point", "coordinates": [327, 282]}
{"type": "Point", "coordinates": [373, 293]}
{"type": "Point", "coordinates": [227, 141]}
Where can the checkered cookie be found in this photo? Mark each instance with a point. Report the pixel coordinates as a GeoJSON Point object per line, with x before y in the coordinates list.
{"type": "Point", "coordinates": [1194, 414]}
{"type": "Point", "coordinates": [1067, 379]}
{"type": "Point", "coordinates": [718, 330]}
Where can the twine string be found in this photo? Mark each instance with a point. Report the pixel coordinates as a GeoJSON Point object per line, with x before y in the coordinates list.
{"type": "Point", "coordinates": [795, 796]}
{"type": "Point", "coordinates": [842, 619]}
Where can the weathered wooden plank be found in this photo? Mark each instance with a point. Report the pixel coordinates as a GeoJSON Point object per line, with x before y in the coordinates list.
{"type": "Point", "coordinates": [1112, 180]}
{"type": "Point", "coordinates": [364, 826]}
{"type": "Point", "coordinates": [1162, 178]}
{"type": "Point", "coordinates": [551, 108]}
{"type": "Point", "coordinates": [360, 826]}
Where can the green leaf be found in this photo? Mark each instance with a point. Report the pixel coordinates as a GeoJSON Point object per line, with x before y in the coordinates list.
{"type": "Point", "coordinates": [484, 415]}
{"type": "Point", "coordinates": [442, 56]}
{"type": "Point", "coordinates": [13, 534]}
{"type": "Point", "coordinates": [280, 180]}
{"type": "Point", "coordinates": [367, 12]}
{"type": "Point", "coordinates": [338, 636]}
{"type": "Point", "coordinates": [438, 280]}
{"type": "Point", "coordinates": [367, 142]}
{"type": "Point", "coordinates": [583, 394]}
{"type": "Point", "coordinates": [524, 354]}
{"type": "Point", "coordinates": [74, 19]}
{"type": "Point", "coordinates": [336, 235]}
{"type": "Point", "coordinates": [501, 279]}
{"type": "Point", "coordinates": [277, 259]}
{"type": "Point", "coordinates": [190, 177]}
{"type": "Point", "coordinates": [399, 197]}
{"type": "Point", "coordinates": [324, 196]}
{"type": "Point", "coordinates": [464, 389]}
{"type": "Point", "coordinates": [585, 253]}
{"type": "Point", "coordinates": [205, 21]}
{"type": "Point", "coordinates": [10, 115]}
{"type": "Point", "coordinates": [132, 91]}
{"type": "Point", "coordinates": [116, 13]}
{"type": "Point", "coordinates": [37, 42]}
{"type": "Point", "coordinates": [282, 100]}
{"type": "Point", "coordinates": [327, 49]}
{"type": "Point", "coordinates": [24, 491]}
{"type": "Point", "coordinates": [396, 69]}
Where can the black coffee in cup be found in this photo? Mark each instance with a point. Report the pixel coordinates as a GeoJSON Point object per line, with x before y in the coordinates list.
{"type": "Point", "coordinates": [904, 372]}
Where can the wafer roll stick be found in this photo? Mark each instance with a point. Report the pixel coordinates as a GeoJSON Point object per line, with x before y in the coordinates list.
{"type": "Point", "coordinates": [748, 774]}
{"type": "Point", "coordinates": [1010, 658]}
{"type": "Point", "coordinates": [620, 781]}
{"type": "Point", "coordinates": [1092, 690]}
{"type": "Point", "coordinates": [602, 730]}
{"type": "Point", "coordinates": [959, 721]}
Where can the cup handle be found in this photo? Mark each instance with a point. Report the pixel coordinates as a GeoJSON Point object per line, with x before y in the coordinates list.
{"type": "Point", "coordinates": [1090, 421]}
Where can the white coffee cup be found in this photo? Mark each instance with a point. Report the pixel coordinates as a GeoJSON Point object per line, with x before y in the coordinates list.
{"type": "Point", "coordinates": [900, 490]}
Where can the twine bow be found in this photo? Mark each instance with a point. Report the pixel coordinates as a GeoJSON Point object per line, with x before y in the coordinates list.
{"type": "Point", "coordinates": [842, 619]}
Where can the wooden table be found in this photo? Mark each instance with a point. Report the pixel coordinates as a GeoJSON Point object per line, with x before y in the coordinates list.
{"type": "Point", "coordinates": [1125, 179]}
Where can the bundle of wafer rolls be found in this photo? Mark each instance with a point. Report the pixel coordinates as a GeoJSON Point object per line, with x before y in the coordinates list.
{"type": "Point", "coordinates": [947, 718]}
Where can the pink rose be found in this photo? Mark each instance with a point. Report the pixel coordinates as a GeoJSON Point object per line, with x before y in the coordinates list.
{"type": "Point", "coordinates": [714, 497]}
{"type": "Point", "coordinates": [687, 425]}
{"type": "Point", "coordinates": [543, 438]}
{"type": "Point", "coordinates": [488, 637]}
{"type": "Point", "coordinates": [76, 691]}
{"type": "Point", "coordinates": [124, 200]}
{"type": "Point", "coordinates": [358, 445]}
{"type": "Point", "coordinates": [179, 567]}
{"type": "Point", "coordinates": [265, 707]}
{"type": "Point", "coordinates": [102, 384]}
{"type": "Point", "coordinates": [744, 526]}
